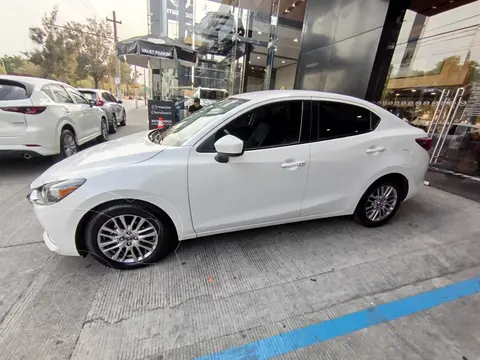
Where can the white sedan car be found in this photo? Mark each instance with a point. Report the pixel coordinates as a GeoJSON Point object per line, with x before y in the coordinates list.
{"type": "Point", "coordinates": [252, 160]}
{"type": "Point", "coordinates": [41, 117]}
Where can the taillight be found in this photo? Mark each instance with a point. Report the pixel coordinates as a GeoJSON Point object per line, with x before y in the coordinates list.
{"type": "Point", "coordinates": [99, 102]}
{"type": "Point", "coordinates": [28, 110]}
{"type": "Point", "coordinates": [424, 142]}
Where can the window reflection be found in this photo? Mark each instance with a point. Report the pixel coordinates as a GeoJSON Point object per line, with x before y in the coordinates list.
{"type": "Point", "coordinates": [434, 83]}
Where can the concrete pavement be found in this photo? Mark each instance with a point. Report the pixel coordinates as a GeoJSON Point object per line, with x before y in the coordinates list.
{"type": "Point", "coordinates": [229, 290]}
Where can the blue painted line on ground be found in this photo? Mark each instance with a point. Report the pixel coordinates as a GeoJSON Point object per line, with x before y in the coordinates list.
{"type": "Point", "coordinates": [313, 334]}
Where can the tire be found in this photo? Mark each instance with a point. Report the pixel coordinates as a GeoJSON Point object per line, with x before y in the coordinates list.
{"type": "Point", "coordinates": [104, 131]}
{"type": "Point", "coordinates": [109, 217]}
{"type": "Point", "coordinates": [124, 119]}
{"type": "Point", "coordinates": [113, 128]}
{"type": "Point", "coordinates": [363, 213]}
{"type": "Point", "coordinates": [68, 145]}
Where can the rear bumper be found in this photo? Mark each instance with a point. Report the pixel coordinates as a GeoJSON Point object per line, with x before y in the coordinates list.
{"type": "Point", "coordinates": [21, 150]}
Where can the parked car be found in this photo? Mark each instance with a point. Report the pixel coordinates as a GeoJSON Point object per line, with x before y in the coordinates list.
{"type": "Point", "coordinates": [41, 117]}
{"type": "Point", "coordinates": [252, 160]}
{"type": "Point", "coordinates": [114, 109]}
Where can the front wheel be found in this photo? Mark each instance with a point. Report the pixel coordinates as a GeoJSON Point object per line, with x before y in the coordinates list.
{"type": "Point", "coordinates": [128, 236]}
{"type": "Point", "coordinates": [104, 131]}
{"type": "Point", "coordinates": [124, 119]}
{"type": "Point", "coordinates": [379, 204]}
{"type": "Point", "coordinates": [113, 127]}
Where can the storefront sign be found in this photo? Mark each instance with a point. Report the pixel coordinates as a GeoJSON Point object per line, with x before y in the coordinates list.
{"type": "Point", "coordinates": [163, 111]}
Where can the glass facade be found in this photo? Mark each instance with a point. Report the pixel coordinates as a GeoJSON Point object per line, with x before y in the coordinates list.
{"type": "Point", "coordinates": [434, 83]}
{"type": "Point", "coordinates": [433, 80]}
{"type": "Point", "coordinates": [245, 45]}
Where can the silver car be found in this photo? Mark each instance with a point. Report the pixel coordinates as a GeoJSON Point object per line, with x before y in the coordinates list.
{"type": "Point", "coordinates": [114, 109]}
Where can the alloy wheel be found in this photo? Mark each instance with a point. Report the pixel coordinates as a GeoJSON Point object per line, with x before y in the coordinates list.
{"type": "Point", "coordinates": [381, 203]}
{"type": "Point", "coordinates": [127, 238]}
{"type": "Point", "coordinates": [69, 145]}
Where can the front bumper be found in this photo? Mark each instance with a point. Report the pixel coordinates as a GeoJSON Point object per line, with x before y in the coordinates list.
{"type": "Point", "coordinates": [60, 224]}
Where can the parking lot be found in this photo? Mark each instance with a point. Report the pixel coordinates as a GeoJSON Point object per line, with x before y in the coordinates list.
{"type": "Point", "coordinates": [233, 291]}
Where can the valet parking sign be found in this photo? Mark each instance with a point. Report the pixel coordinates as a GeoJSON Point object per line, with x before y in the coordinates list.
{"type": "Point", "coordinates": [163, 111]}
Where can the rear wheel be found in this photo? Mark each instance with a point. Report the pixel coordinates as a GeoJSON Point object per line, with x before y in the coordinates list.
{"type": "Point", "coordinates": [128, 236]}
{"type": "Point", "coordinates": [104, 131]}
{"type": "Point", "coordinates": [68, 144]}
{"type": "Point", "coordinates": [379, 204]}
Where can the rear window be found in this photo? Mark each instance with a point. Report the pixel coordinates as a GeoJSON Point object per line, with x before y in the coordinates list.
{"type": "Point", "coordinates": [12, 92]}
{"type": "Point", "coordinates": [213, 94]}
{"type": "Point", "coordinates": [89, 95]}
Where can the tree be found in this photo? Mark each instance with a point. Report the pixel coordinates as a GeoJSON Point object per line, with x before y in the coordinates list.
{"type": "Point", "coordinates": [13, 64]}
{"type": "Point", "coordinates": [2, 70]}
{"type": "Point", "coordinates": [95, 51]}
{"type": "Point", "coordinates": [56, 49]}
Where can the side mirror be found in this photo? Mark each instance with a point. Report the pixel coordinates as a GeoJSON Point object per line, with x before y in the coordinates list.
{"type": "Point", "coordinates": [92, 103]}
{"type": "Point", "coordinates": [120, 101]}
{"type": "Point", "coordinates": [228, 146]}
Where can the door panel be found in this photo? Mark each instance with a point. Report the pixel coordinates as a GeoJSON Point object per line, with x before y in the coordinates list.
{"type": "Point", "coordinates": [251, 189]}
{"type": "Point", "coordinates": [89, 117]}
{"type": "Point", "coordinates": [73, 111]}
{"type": "Point", "coordinates": [345, 153]}
{"type": "Point", "coordinates": [266, 183]}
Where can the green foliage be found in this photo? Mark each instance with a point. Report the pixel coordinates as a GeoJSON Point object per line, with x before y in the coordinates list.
{"type": "Point", "coordinates": [56, 49]}
{"type": "Point", "coordinates": [81, 54]}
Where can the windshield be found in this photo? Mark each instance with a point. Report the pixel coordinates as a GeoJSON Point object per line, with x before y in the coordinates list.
{"type": "Point", "coordinates": [187, 128]}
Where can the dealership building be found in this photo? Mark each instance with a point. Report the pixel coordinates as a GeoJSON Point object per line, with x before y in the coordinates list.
{"type": "Point", "coordinates": [419, 59]}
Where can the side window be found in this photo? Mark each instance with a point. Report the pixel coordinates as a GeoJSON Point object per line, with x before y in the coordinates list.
{"type": "Point", "coordinates": [79, 99]}
{"type": "Point", "coordinates": [107, 97]}
{"type": "Point", "coordinates": [112, 97]}
{"type": "Point", "coordinates": [61, 95]}
{"type": "Point", "coordinates": [48, 92]}
{"type": "Point", "coordinates": [340, 120]}
{"type": "Point", "coordinates": [271, 125]}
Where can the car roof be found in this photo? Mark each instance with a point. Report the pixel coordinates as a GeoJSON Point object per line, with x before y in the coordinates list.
{"type": "Point", "coordinates": [91, 90]}
{"type": "Point", "coordinates": [31, 80]}
{"type": "Point", "coordinates": [278, 94]}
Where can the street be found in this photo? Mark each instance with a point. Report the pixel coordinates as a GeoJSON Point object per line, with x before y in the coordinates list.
{"type": "Point", "coordinates": [232, 290]}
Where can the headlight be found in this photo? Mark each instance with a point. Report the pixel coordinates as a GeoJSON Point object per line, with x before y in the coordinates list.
{"type": "Point", "coordinates": [53, 192]}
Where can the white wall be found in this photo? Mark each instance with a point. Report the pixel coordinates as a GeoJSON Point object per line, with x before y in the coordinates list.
{"type": "Point", "coordinates": [285, 77]}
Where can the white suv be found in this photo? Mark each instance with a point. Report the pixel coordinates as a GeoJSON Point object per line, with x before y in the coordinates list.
{"type": "Point", "coordinates": [45, 117]}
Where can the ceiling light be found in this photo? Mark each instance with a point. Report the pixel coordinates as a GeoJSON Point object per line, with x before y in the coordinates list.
{"type": "Point", "coordinates": [258, 57]}
{"type": "Point", "coordinates": [434, 93]}
{"type": "Point", "coordinates": [397, 94]}
{"type": "Point", "coordinates": [293, 5]}
{"type": "Point", "coordinates": [259, 33]}
{"type": "Point", "coordinates": [295, 40]}
{"type": "Point", "coordinates": [413, 90]}
{"type": "Point", "coordinates": [286, 11]}
{"type": "Point", "coordinates": [434, 7]}
{"type": "Point", "coordinates": [283, 61]}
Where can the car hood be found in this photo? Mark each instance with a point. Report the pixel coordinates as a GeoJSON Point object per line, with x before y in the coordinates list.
{"type": "Point", "coordinates": [119, 152]}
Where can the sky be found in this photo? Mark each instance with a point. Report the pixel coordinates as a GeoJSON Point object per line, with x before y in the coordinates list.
{"type": "Point", "coordinates": [17, 16]}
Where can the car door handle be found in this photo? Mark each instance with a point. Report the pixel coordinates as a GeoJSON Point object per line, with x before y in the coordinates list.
{"type": "Point", "coordinates": [292, 164]}
{"type": "Point", "coordinates": [375, 150]}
